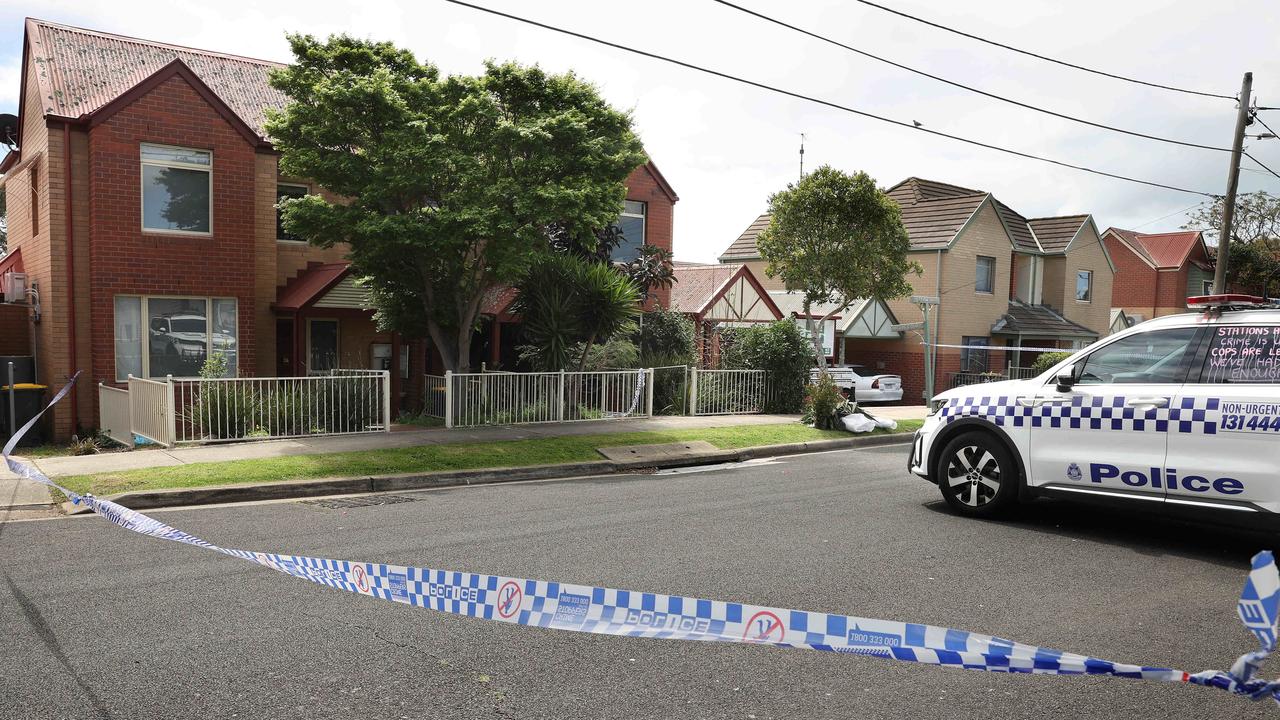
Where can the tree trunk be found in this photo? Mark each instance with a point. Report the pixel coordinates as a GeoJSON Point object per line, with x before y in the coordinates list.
{"type": "Point", "coordinates": [814, 337]}
{"type": "Point", "coordinates": [586, 349]}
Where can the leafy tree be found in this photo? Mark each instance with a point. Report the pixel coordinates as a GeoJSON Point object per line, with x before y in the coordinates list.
{"type": "Point", "coordinates": [568, 305]}
{"type": "Point", "coordinates": [451, 184]}
{"type": "Point", "coordinates": [667, 338]}
{"type": "Point", "coordinates": [1254, 264]}
{"type": "Point", "coordinates": [777, 348]}
{"type": "Point", "coordinates": [836, 238]}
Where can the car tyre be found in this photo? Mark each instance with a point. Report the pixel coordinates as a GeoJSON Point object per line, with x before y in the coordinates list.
{"type": "Point", "coordinates": [977, 475]}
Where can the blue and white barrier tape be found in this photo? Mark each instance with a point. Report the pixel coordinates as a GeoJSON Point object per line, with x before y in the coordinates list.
{"type": "Point", "coordinates": [608, 611]}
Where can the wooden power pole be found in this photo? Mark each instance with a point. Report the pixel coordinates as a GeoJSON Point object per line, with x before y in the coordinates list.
{"type": "Point", "coordinates": [1233, 181]}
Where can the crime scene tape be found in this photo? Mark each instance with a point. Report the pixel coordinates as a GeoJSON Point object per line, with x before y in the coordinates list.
{"type": "Point", "coordinates": [609, 611]}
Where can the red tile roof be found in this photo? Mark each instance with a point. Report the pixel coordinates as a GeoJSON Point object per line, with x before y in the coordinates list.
{"type": "Point", "coordinates": [310, 285]}
{"type": "Point", "coordinates": [1164, 250]}
{"type": "Point", "coordinates": [80, 71]}
{"type": "Point", "coordinates": [696, 286]}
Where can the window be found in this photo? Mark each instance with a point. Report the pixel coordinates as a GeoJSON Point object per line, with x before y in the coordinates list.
{"type": "Point", "coordinates": [322, 343]}
{"type": "Point", "coordinates": [33, 180]}
{"type": "Point", "coordinates": [631, 225]}
{"type": "Point", "coordinates": [1084, 285]}
{"type": "Point", "coordinates": [974, 359]}
{"type": "Point", "coordinates": [287, 192]}
{"type": "Point", "coordinates": [986, 281]}
{"type": "Point", "coordinates": [1152, 357]}
{"type": "Point", "coordinates": [181, 334]}
{"type": "Point", "coordinates": [1206, 287]}
{"type": "Point", "coordinates": [1244, 354]}
{"type": "Point", "coordinates": [177, 190]}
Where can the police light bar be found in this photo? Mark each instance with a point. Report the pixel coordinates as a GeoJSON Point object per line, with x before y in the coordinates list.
{"type": "Point", "coordinates": [1205, 302]}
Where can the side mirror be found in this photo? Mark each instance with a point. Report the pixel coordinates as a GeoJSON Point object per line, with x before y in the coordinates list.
{"type": "Point", "coordinates": [1066, 379]}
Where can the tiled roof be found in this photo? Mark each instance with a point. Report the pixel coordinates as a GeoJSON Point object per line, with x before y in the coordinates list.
{"type": "Point", "coordinates": [1055, 233]}
{"type": "Point", "coordinates": [914, 190]}
{"type": "Point", "coordinates": [696, 285]}
{"type": "Point", "coordinates": [497, 300]}
{"type": "Point", "coordinates": [80, 71]}
{"type": "Point", "coordinates": [1017, 225]}
{"type": "Point", "coordinates": [1037, 320]}
{"type": "Point", "coordinates": [310, 284]}
{"type": "Point", "coordinates": [932, 224]}
{"type": "Point", "coordinates": [1164, 250]}
{"type": "Point", "coordinates": [744, 248]}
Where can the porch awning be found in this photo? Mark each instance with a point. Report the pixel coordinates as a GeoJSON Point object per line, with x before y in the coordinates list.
{"type": "Point", "coordinates": [12, 261]}
{"type": "Point", "coordinates": [1039, 321]}
{"type": "Point", "coordinates": [327, 285]}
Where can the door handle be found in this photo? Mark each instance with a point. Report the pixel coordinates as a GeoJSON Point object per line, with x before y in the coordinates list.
{"type": "Point", "coordinates": [1038, 401]}
{"type": "Point", "coordinates": [1147, 402]}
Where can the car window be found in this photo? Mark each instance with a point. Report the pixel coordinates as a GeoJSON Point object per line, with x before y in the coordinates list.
{"type": "Point", "coordinates": [1159, 356]}
{"type": "Point", "coordinates": [1248, 354]}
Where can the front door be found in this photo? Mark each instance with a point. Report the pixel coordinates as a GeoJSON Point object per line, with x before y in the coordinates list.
{"type": "Point", "coordinates": [1107, 434]}
{"type": "Point", "coordinates": [284, 347]}
{"type": "Point", "coordinates": [1225, 441]}
{"type": "Point", "coordinates": [322, 345]}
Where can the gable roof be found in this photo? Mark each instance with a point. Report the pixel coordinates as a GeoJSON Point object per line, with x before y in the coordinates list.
{"type": "Point", "coordinates": [744, 248]}
{"type": "Point", "coordinates": [658, 178]}
{"type": "Point", "coordinates": [933, 224]}
{"type": "Point", "coordinates": [914, 190]}
{"type": "Point", "coordinates": [1040, 320]}
{"type": "Point", "coordinates": [698, 288]}
{"type": "Point", "coordinates": [310, 285]}
{"type": "Point", "coordinates": [81, 71]}
{"type": "Point", "coordinates": [1056, 233]}
{"type": "Point", "coordinates": [1163, 251]}
{"type": "Point", "coordinates": [1024, 236]}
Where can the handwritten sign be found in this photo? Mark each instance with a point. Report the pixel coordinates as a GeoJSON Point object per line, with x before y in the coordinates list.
{"type": "Point", "coordinates": [1242, 354]}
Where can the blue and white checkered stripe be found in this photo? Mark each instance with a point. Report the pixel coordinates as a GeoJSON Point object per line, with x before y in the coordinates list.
{"type": "Point", "coordinates": [1191, 415]}
{"type": "Point", "coordinates": [610, 611]}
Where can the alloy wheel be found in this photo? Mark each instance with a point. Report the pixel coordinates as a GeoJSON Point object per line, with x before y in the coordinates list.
{"type": "Point", "coordinates": [973, 475]}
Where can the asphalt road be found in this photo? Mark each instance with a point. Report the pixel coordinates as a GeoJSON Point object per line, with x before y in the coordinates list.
{"type": "Point", "coordinates": [99, 622]}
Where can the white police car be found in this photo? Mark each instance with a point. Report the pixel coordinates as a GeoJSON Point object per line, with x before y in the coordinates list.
{"type": "Point", "coordinates": [1179, 412]}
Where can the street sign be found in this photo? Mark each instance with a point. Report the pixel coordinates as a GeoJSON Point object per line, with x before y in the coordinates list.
{"type": "Point", "coordinates": [907, 327]}
{"type": "Point", "coordinates": [925, 299]}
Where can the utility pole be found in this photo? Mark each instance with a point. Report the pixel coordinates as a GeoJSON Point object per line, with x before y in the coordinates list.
{"type": "Point", "coordinates": [801, 156]}
{"type": "Point", "coordinates": [1233, 181]}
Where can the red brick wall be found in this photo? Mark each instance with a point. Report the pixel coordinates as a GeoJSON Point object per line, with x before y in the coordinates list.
{"type": "Point", "coordinates": [1135, 281]}
{"type": "Point", "coordinates": [125, 260]}
{"type": "Point", "coordinates": [15, 336]}
{"type": "Point", "coordinates": [659, 218]}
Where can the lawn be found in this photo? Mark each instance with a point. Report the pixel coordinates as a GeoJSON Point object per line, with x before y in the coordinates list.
{"type": "Point", "coordinates": [430, 458]}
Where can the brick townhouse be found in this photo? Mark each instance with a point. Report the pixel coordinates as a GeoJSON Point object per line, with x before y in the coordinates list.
{"type": "Point", "coordinates": [1003, 280]}
{"type": "Point", "coordinates": [142, 209]}
{"type": "Point", "coordinates": [1157, 272]}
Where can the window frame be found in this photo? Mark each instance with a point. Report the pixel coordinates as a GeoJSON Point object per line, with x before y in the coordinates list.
{"type": "Point", "coordinates": [991, 276]}
{"type": "Point", "coordinates": [644, 223]}
{"type": "Point", "coordinates": [306, 191]}
{"type": "Point", "coordinates": [1089, 298]}
{"type": "Point", "coordinates": [1197, 349]}
{"type": "Point", "coordinates": [1206, 287]}
{"type": "Point", "coordinates": [144, 330]}
{"type": "Point", "coordinates": [980, 347]}
{"type": "Point", "coordinates": [337, 342]}
{"type": "Point", "coordinates": [142, 187]}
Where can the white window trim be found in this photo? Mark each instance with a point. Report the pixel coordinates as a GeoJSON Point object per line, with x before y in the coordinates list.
{"type": "Point", "coordinates": [144, 329]}
{"type": "Point", "coordinates": [644, 219]}
{"type": "Point", "coordinates": [976, 264]}
{"type": "Point", "coordinates": [142, 188]}
{"type": "Point", "coordinates": [279, 185]}
{"type": "Point", "coordinates": [1077, 288]}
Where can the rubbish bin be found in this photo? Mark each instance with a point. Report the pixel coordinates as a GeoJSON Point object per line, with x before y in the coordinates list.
{"type": "Point", "coordinates": [18, 404]}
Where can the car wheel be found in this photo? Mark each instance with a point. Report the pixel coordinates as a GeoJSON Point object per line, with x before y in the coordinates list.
{"type": "Point", "coordinates": [977, 475]}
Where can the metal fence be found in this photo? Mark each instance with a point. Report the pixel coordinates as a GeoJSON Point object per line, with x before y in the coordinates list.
{"type": "Point", "coordinates": [728, 392]}
{"type": "Point", "coordinates": [343, 402]}
{"type": "Point", "coordinates": [504, 398]}
{"type": "Point", "coordinates": [151, 410]}
{"type": "Point", "coordinates": [114, 414]}
{"type": "Point", "coordinates": [973, 378]}
{"type": "Point", "coordinates": [435, 396]}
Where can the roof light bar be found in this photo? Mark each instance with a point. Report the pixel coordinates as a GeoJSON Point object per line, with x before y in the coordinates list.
{"type": "Point", "coordinates": [1208, 302]}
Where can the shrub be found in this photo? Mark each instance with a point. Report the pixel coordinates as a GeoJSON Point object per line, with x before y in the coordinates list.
{"type": "Point", "coordinates": [666, 338]}
{"type": "Point", "coordinates": [821, 404]}
{"type": "Point", "coordinates": [779, 349]}
{"type": "Point", "coordinates": [1048, 360]}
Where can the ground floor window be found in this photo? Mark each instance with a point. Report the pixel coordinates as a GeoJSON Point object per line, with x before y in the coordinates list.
{"type": "Point", "coordinates": [322, 342]}
{"type": "Point", "coordinates": [181, 333]}
{"type": "Point", "coordinates": [974, 359]}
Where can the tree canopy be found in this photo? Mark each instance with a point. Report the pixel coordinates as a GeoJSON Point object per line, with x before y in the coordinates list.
{"type": "Point", "coordinates": [835, 238]}
{"type": "Point", "coordinates": [1254, 264]}
{"type": "Point", "coordinates": [450, 186]}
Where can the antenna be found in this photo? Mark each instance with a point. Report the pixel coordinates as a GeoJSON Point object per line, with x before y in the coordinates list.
{"type": "Point", "coordinates": [801, 156]}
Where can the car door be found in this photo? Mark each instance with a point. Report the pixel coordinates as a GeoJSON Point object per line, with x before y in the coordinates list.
{"type": "Point", "coordinates": [1107, 433]}
{"type": "Point", "coordinates": [1224, 435]}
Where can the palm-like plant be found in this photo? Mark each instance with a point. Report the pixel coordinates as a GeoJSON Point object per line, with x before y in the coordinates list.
{"type": "Point", "coordinates": [607, 301]}
{"type": "Point", "coordinates": [565, 299]}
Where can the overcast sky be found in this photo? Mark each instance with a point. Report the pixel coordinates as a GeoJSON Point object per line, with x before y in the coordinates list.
{"type": "Point", "coordinates": [725, 147]}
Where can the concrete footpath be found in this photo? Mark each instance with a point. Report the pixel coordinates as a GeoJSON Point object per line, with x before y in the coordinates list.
{"type": "Point", "coordinates": [20, 494]}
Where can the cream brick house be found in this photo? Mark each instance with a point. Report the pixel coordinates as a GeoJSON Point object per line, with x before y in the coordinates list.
{"type": "Point", "coordinates": [1002, 280]}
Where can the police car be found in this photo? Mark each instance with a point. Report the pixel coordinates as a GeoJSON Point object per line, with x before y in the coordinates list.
{"type": "Point", "coordinates": [1181, 412]}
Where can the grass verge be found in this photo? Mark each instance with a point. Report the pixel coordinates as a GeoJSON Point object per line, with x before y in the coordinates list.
{"type": "Point", "coordinates": [431, 458]}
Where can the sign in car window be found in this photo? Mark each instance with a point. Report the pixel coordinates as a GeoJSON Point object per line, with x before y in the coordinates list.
{"type": "Point", "coordinates": [1244, 354]}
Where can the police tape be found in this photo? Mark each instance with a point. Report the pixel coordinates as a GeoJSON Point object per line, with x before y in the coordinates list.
{"type": "Point", "coordinates": [610, 611]}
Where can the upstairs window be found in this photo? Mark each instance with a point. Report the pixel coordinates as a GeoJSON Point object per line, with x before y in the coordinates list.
{"type": "Point", "coordinates": [287, 192]}
{"type": "Point", "coordinates": [1084, 285]}
{"type": "Point", "coordinates": [631, 223]}
{"type": "Point", "coordinates": [986, 279]}
{"type": "Point", "coordinates": [177, 190]}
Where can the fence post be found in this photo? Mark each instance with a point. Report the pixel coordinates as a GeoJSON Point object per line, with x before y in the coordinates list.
{"type": "Point", "coordinates": [648, 393]}
{"type": "Point", "coordinates": [693, 391]}
{"type": "Point", "coordinates": [171, 419]}
{"type": "Point", "coordinates": [448, 398]}
{"type": "Point", "coordinates": [386, 401]}
{"type": "Point", "coordinates": [560, 398]}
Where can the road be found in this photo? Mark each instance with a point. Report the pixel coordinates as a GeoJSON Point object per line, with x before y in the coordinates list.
{"type": "Point", "coordinates": [99, 622]}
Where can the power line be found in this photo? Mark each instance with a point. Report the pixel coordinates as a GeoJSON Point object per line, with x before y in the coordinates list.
{"type": "Point", "coordinates": [1163, 217]}
{"type": "Point", "coordinates": [1264, 124]}
{"type": "Point", "coordinates": [1261, 164]}
{"type": "Point", "coordinates": [826, 103]}
{"type": "Point", "coordinates": [962, 86]}
{"type": "Point", "coordinates": [1043, 57]}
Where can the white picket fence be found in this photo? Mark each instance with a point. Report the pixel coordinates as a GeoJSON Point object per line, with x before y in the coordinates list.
{"type": "Point", "coordinates": [114, 414]}
{"type": "Point", "coordinates": [503, 398]}
{"type": "Point", "coordinates": [728, 392]}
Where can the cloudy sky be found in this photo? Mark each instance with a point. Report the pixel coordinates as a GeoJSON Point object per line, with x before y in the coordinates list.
{"type": "Point", "coordinates": [725, 147]}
